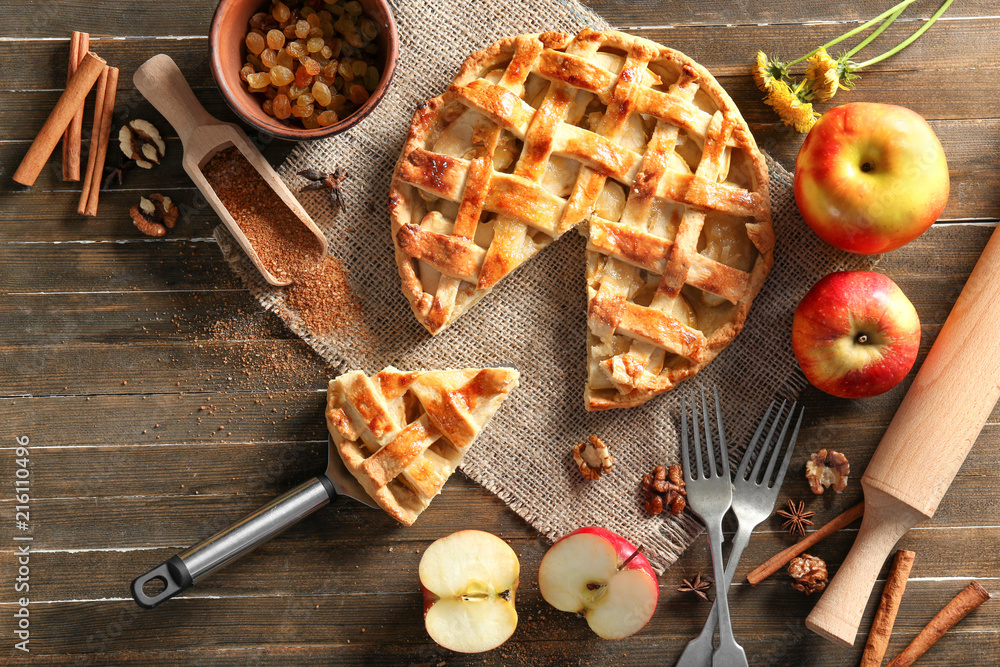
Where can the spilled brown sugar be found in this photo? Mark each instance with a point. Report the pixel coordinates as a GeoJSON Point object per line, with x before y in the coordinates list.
{"type": "Point", "coordinates": [320, 292]}
{"type": "Point", "coordinates": [322, 297]}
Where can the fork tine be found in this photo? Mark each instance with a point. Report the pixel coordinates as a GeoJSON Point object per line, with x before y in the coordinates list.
{"type": "Point", "coordinates": [724, 449]}
{"type": "Point", "coordinates": [748, 454]}
{"type": "Point", "coordinates": [755, 473]}
{"type": "Point", "coordinates": [777, 445]}
{"type": "Point", "coordinates": [685, 456]}
{"type": "Point", "coordinates": [709, 447]}
{"type": "Point", "coordinates": [788, 452]}
{"type": "Point", "coordinates": [697, 436]}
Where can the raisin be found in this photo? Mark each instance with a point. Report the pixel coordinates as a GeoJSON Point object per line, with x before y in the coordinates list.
{"type": "Point", "coordinates": [281, 75]}
{"type": "Point", "coordinates": [321, 93]}
{"type": "Point", "coordinates": [327, 118]}
{"type": "Point", "coordinates": [255, 42]}
{"type": "Point", "coordinates": [281, 106]}
{"type": "Point", "coordinates": [275, 39]}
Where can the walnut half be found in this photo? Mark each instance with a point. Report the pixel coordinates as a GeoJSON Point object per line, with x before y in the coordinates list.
{"type": "Point", "coordinates": [808, 573]}
{"type": "Point", "coordinates": [140, 141]}
{"type": "Point", "coordinates": [664, 489]}
{"type": "Point", "coordinates": [154, 216]}
{"type": "Point", "coordinates": [825, 469]}
{"type": "Point", "coordinates": [593, 458]}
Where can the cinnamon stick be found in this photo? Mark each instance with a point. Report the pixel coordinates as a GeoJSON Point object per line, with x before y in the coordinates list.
{"type": "Point", "coordinates": [79, 44]}
{"type": "Point", "coordinates": [781, 559]}
{"type": "Point", "coordinates": [59, 119]}
{"type": "Point", "coordinates": [95, 134]}
{"type": "Point", "coordinates": [99, 146]}
{"type": "Point", "coordinates": [885, 617]}
{"type": "Point", "coordinates": [971, 597]}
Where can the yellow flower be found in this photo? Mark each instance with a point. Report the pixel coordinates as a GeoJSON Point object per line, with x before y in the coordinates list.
{"type": "Point", "coordinates": [823, 76]}
{"type": "Point", "coordinates": [762, 74]}
{"type": "Point", "coordinates": [792, 110]}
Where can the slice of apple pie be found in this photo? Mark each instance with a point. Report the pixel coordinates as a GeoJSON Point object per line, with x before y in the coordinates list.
{"type": "Point", "coordinates": [402, 434]}
{"type": "Point", "coordinates": [540, 133]}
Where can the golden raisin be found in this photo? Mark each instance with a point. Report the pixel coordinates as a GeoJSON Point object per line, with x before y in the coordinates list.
{"type": "Point", "coordinates": [281, 75]}
{"type": "Point", "coordinates": [327, 118]}
{"type": "Point", "coordinates": [275, 39]}
{"type": "Point", "coordinates": [281, 106]}
{"type": "Point", "coordinates": [255, 42]}
{"type": "Point", "coordinates": [358, 94]}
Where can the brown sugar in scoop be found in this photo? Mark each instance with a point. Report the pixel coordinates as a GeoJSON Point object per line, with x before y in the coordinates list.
{"type": "Point", "coordinates": [284, 245]}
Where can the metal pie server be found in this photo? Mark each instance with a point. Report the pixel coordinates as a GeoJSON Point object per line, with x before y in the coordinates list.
{"type": "Point", "coordinates": [180, 572]}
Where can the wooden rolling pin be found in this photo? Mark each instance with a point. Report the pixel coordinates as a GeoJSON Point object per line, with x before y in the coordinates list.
{"type": "Point", "coordinates": [924, 446]}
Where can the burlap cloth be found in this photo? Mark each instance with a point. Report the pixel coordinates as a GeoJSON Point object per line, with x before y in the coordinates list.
{"type": "Point", "coordinates": [536, 318]}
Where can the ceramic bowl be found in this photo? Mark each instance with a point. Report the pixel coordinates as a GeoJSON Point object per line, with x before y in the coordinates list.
{"type": "Point", "coordinates": [227, 49]}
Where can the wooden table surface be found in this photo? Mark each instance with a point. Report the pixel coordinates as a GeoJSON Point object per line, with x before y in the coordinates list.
{"type": "Point", "coordinates": [161, 403]}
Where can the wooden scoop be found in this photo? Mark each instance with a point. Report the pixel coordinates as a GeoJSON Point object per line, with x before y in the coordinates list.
{"type": "Point", "coordinates": [924, 446]}
{"type": "Point", "coordinates": [161, 82]}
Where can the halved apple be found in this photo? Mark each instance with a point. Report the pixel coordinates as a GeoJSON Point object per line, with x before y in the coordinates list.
{"type": "Point", "coordinates": [469, 579]}
{"type": "Point", "coordinates": [597, 572]}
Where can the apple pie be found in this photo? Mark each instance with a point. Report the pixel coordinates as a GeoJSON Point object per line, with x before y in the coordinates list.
{"type": "Point", "coordinates": [402, 434]}
{"type": "Point", "coordinates": [633, 143]}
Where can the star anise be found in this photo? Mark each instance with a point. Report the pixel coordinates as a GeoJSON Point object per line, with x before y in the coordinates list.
{"type": "Point", "coordinates": [798, 517]}
{"type": "Point", "coordinates": [112, 174]}
{"type": "Point", "coordinates": [698, 586]}
{"type": "Point", "coordinates": [331, 181]}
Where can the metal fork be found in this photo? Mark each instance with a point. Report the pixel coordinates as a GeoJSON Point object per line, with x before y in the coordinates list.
{"type": "Point", "coordinates": [709, 495]}
{"type": "Point", "coordinates": [753, 501]}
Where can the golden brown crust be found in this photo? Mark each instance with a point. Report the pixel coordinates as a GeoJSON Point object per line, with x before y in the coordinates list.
{"type": "Point", "coordinates": [401, 435]}
{"type": "Point", "coordinates": [445, 267]}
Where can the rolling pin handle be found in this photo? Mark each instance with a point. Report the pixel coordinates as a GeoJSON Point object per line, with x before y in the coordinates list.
{"type": "Point", "coordinates": [172, 572]}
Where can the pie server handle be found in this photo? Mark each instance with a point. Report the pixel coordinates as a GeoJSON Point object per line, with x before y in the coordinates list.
{"type": "Point", "coordinates": [180, 572]}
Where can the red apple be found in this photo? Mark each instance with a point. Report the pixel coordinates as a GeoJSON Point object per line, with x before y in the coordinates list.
{"type": "Point", "coordinates": [855, 334]}
{"type": "Point", "coordinates": [871, 177]}
{"type": "Point", "coordinates": [594, 571]}
{"type": "Point", "coordinates": [468, 580]}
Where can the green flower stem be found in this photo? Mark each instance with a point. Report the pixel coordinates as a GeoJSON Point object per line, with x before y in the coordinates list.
{"type": "Point", "coordinates": [850, 33]}
{"type": "Point", "coordinates": [909, 40]}
{"type": "Point", "coordinates": [878, 31]}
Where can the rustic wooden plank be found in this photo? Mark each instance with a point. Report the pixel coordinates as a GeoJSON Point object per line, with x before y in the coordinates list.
{"type": "Point", "coordinates": [245, 417]}
{"type": "Point", "coordinates": [396, 619]}
{"type": "Point", "coordinates": [953, 650]}
{"type": "Point", "coordinates": [959, 44]}
{"type": "Point", "coordinates": [179, 521]}
{"type": "Point", "coordinates": [686, 13]}
{"type": "Point", "coordinates": [35, 106]}
{"type": "Point", "coordinates": [168, 175]}
{"type": "Point", "coordinates": [970, 145]}
{"type": "Point", "coordinates": [104, 18]}
{"type": "Point", "coordinates": [190, 53]}
{"type": "Point", "coordinates": [119, 316]}
{"type": "Point", "coordinates": [322, 566]}
{"type": "Point", "coordinates": [730, 50]}
{"type": "Point", "coordinates": [158, 367]}
{"type": "Point", "coordinates": [39, 216]}
{"type": "Point", "coordinates": [135, 263]}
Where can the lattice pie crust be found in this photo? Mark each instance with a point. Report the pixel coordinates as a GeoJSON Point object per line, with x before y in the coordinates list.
{"type": "Point", "coordinates": [635, 143]}
{"type": "Point", "coordinates": [402, 434]}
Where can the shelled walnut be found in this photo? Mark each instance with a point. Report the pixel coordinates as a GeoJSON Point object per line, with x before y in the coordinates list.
{"type": "Point", "coordinates": [808, 573]}
{"type": "Point", "coordinates": [825, 469]}
{"type": "Point", "coordinates": [155, 215]}
{"type": "Point", "coordinates": [664, 489]}
{"type": "Point", "coordinates": [593, 458]}
{"type": "Point", "coordinates": [140, 141]}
